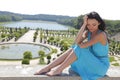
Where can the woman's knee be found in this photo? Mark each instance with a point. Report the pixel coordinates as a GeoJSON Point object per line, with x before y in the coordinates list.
{"type": "Point", "coordinates": [73, 55]}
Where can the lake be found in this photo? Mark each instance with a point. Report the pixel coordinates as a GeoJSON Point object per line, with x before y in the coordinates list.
{"type": "Point", "coordinates": [34, 24]}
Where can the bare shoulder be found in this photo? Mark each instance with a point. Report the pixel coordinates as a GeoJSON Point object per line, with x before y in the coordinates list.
{"type": "Point", "coordinates": [102, 38]}
{"type": "Point", "coordinates": [102, 35]}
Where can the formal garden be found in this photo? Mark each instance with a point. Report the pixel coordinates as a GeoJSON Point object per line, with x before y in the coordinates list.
{"type": "Point", "coordinates": [61, 39]}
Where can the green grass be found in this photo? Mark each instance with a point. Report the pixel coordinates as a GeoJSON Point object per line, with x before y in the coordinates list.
{"type": "Point", "coordinates": [111, 58]}
{"type": "Point", "coordinates": [116, 64]}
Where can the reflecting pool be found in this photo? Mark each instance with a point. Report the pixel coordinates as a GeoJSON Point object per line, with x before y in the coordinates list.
{"type": "Point", "coordinates": [15, 51]}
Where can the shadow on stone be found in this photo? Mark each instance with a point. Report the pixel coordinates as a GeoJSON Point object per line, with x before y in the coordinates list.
{"type": "Point", "coordinates": [72, 73]}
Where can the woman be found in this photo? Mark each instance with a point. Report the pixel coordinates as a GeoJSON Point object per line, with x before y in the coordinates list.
{"type": "Point", "coordinates": [89, 59]}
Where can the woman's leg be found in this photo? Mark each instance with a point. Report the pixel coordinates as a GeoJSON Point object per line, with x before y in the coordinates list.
{"type": "Point", "coordinates": [58, 70]}
{"type": "Point", "coordinates": [55, 62]}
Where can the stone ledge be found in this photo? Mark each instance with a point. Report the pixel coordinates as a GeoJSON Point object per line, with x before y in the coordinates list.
{"type": "Point", "coordinates": [52, 78]}
{"type": "Point", "coordinates": [25, 72]}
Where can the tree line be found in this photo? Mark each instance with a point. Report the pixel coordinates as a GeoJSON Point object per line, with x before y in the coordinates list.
{"type": "Point", "coordinates": [113, 26]}
{"type": "Point", "coordinates": [4, 18]}
{"type": "Point", "coordinates": [9, 16]}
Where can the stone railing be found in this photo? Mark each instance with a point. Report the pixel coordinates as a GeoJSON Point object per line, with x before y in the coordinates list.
{"type": "Point", "coordinates": [13, 72]}
{"type": "Point", "coordinates": [38, 77]}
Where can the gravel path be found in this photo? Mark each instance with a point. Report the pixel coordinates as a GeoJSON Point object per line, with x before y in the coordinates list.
{"type": "Point", "coordinates": [27, 37]}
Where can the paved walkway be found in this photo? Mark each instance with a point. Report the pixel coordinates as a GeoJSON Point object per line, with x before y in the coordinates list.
{"type": "Point", "coordinates": [27, 37]}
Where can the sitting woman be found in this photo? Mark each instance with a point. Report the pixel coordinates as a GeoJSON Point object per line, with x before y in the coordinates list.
{"type": "Point", "coordinates": [89, 59]}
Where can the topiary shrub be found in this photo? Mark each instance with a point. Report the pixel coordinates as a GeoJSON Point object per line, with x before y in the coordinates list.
{"type": "Point", "coordinates": [48, 57]}
{"type": "Point", "coordinates": [27, 55]}
{"type": "Point", "coordinates": [25, 61]}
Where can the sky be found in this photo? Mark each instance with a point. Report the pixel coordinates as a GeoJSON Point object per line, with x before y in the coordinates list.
{"type": "Point", "coordinates": [108, 9]}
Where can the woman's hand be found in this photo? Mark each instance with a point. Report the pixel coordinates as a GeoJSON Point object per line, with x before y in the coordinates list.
{"type": "Point", "coordinates": [79, 37]}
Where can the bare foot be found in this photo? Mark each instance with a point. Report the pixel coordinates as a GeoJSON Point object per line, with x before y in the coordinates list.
{"type": "Point", "coordinates": [42, 71]}
{"type": "Point", "coordinates": [54, 72]}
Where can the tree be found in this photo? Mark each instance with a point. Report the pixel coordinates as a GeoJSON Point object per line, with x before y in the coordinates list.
{"type": "Point", "coordinates": [3, 35]}
{"type": "Point", "coordinates": [54, 50]}
{"type": "Point", "coordinates": [41, 36]}
{"type": "Point", "coordinates": [48, 57]}
{"type": "Point", "coordinates": [27, 55]}
{"type": "Point", "coordinates": [41, 55]}
{"type": "Point", "coordinates": [25, 61]}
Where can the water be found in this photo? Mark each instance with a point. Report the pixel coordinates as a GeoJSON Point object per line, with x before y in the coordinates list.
{"type": "Point", "coordinates": [15, 51]}
{"type": "Point", "coordinates": [36, 24]}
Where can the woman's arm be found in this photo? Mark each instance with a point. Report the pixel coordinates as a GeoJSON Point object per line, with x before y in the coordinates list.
{"type": "Point", "coordinates": [83, 37]}
{"type": "Point", "coordinates": [80, 37]}
{"type": "Point", "coordinates": [98, 38]}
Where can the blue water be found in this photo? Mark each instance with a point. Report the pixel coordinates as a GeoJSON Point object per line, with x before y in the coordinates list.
{"type": "Point", "coordinates": [36, 24]}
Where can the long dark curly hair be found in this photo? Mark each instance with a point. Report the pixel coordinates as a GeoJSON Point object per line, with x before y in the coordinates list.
{"type": "Point", "coordinates": [95, 15]}
{"type": "Point", "coordinates": [102, 26]}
